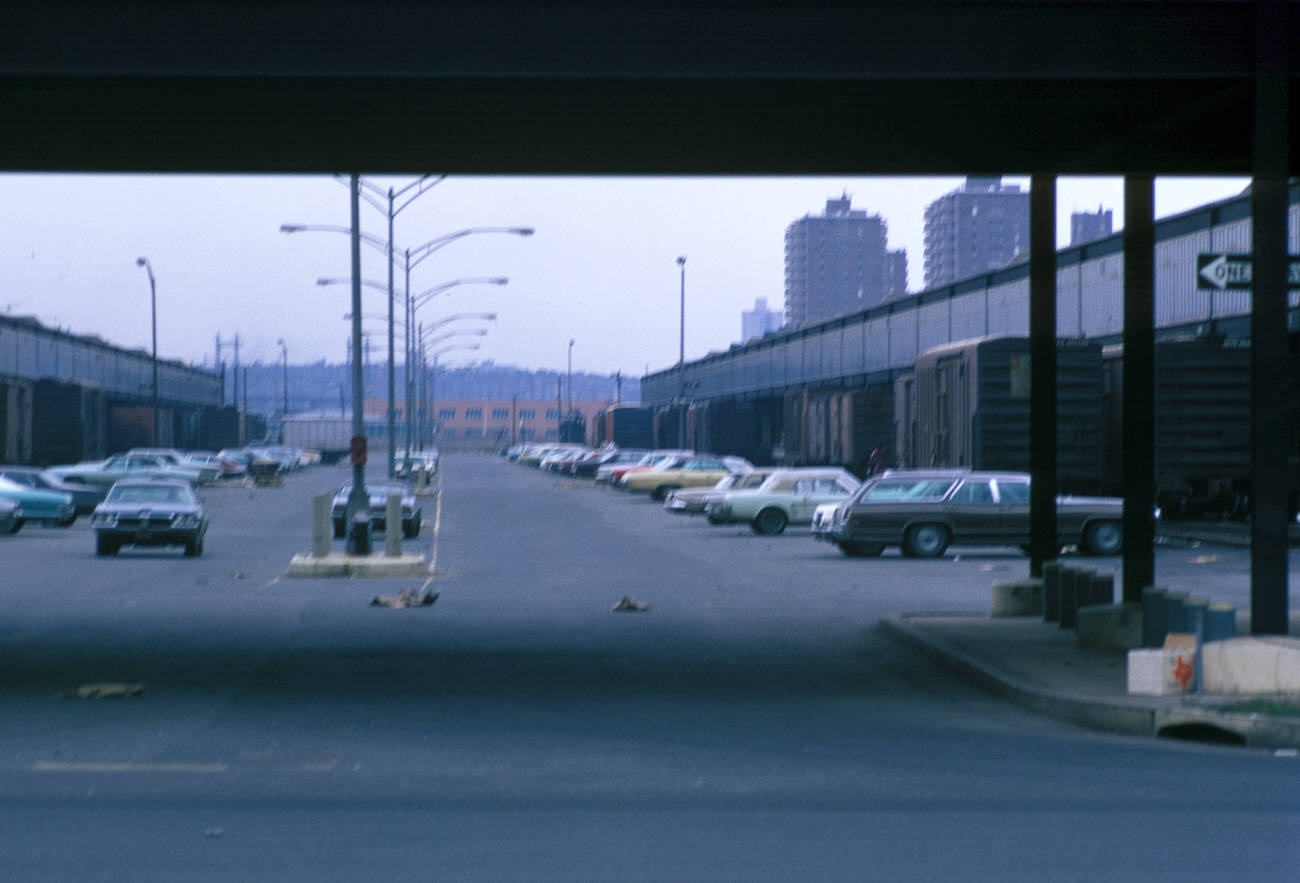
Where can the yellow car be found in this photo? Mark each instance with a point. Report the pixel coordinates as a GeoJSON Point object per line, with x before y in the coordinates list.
{"type": "Point", "coordinates": [694, 472]}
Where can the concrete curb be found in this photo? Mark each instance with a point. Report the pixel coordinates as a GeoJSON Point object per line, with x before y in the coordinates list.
{"type": "Point", "coordinates": [370, 566]}
{"type": "Point", "coordinates": [1131, 715]}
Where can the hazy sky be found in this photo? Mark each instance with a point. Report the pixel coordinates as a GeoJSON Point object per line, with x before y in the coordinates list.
{"type": "Point", "coordinates": [601, 268]}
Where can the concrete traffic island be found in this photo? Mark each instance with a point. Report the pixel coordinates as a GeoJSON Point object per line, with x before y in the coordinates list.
{"type": "Point", "coordinates": [325, 563]}
{"type": "Point", "coordinates": [338, 564]}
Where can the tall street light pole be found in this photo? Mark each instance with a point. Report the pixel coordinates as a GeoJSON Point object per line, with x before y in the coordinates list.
{"type": "Point", "coordinates": [284, 407]}
{"type": "Point", "coordinates": [681, 359]}
{"type": "Point", "coordinates": [153, 321]}
{"type": "Point", "coordinates": [570, 376]}
{"type": "Point", "coordinates": [359, 499]}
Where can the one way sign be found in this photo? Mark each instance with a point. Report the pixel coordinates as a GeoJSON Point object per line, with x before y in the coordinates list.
{"type": "Point", "coordinates": [1220, 272]}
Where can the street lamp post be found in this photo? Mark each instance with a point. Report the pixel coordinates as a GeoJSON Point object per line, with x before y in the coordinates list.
{"type": "Point", "coordinates": [570, 376]}
{"type": "Point", "coordinates": [681, 359]}
{"type": "Point", "coordinates": [153, 322]}
{"type": "Point", "coordinates": [284, 407]}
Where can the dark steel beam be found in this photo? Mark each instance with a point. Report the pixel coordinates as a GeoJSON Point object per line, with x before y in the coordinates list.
{"type": "Point", "coordinates": [1139, 461]}
{"type": "Point", "coordinates": [1043, 544]}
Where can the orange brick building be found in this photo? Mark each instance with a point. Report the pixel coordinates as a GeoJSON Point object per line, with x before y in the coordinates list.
{"type": "Point", "coordinates": [491, 424]}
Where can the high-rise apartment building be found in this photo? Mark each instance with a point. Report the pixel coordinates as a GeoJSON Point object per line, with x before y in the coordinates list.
{"type": "Point", "coordinates": [838, 262]}
{"type": "Point", "coordinates": [759, 321]}
{"type": "Point", "coordinates": [978, 228]}
{"type": "Point", "coordinates": [1086, 226]}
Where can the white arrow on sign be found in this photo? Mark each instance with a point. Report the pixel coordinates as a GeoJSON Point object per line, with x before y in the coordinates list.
{"type": "Point", "coordinates": [1216, 272]}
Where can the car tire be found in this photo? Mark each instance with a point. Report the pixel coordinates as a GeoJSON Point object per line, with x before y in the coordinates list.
{"type": "Point", "coordinates": [858, 549]}
{"type": "Point", "coordinates": [67, 522]}
{"type": "Point", "coordinates": [662, 491]}
{"type": "Point", "coordinates": [105, 546]}
{"type": "Point", "coordinates": [1103, 538]}
{"type": "Point", "coordinates": [770, 522]}
{"type": "Point", "coordinates": [926, 540]}
{"type": "Point", "coordinates": [194, 548]}
{"type": "Point", "coordinates": [339, 529]}
{"type": "Point", "coordinates": [713, 519]}
{"type": "Point", "coordinates": [411, 529]}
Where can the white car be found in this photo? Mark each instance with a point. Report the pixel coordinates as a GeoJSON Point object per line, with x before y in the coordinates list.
{"type": "Point", "coordinates": [789, 496]}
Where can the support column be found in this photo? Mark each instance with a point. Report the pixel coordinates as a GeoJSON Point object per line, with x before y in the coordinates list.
{"type": "Point", "coordinates": [1139, 461]}
{"type": "Point", "coordinates": [1042, 372]}
{"type": "Point", "coordinates": [1270, 349]}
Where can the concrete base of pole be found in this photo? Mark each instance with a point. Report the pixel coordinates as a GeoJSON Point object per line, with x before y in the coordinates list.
{"type": "Point", "coordinates": [359, 566]}
{"type": "Point", "coordinates": [393, 526]}
{"type": "Point", "coordinates": [322, 530]}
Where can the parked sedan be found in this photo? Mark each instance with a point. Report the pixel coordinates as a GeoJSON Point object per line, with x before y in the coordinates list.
{"type": "Point", "coordinates": [84, 497]}
{"type": "Point", "coordinates": [789, 496]}
{"type": "Point", "coordinates": [925, 511]}
{"type": "Point", "coordinates": [105, 473]}
{"type": "Point", "coordinates": [150, 512]}
{"type": "Point", "coordinates": [700, 471]}
{"type": "Point", "coordinates": [51, 507]}
{"type": "Point", "coordinates": [378, 492]}
{"type": "Point", "coordinates": [690, 501]}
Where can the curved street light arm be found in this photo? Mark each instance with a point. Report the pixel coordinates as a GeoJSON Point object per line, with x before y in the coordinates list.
{"type": "Point", "coordinates": [368, 238]}
{"type": "Point", "coordinates": [455, 317]}
{"type": "Point", "coordinates": [468, 332]}
{"type": "Point", "coordinates": [419, 300]}
{"type": "Point", "coordinates": [452, 348]}
{"type": "Point", "coordinates": [420, 252]}
{"type": "Point", "coordinates": [368, 283]}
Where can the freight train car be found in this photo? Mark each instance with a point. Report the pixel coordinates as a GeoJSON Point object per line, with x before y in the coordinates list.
{"type": "Point", "coordinates": [69, 423]}
{"type": "Point", "coordinates": [15, 421]}
{"type": "Point", "coordinates": [1202, 425]}
{"type": "Point", "coordinates": [972, 408]}
{"type": "Point", "coordinates": [852, 428]}
{"type": "Point", "coordinates": [627, 426]}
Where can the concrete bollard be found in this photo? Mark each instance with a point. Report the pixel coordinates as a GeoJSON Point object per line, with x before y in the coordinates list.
{"type": "Point", "coordinates": [1066, 619]}
{"type": "Point", "coordinates": [1020, 597]}
{"type": "Point", "coordinates": [1175, 620]}
{"type": "Point", "coordinates": [1103, 589]}
{"type": "Point", "coordinates": [1153, 616]}
{"type": "Point", "coordinates": [1220, 622]}
{"type": "Point", "coordinates": [1082, 592]}
{"type": "Point", "coordinates": [393, 526]}
{"type": "Point", "coordinates": [321, 528]}
{"type": "Point", "coordinates": [1051, 591]}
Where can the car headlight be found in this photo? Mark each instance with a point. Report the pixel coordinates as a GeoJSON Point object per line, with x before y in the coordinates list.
{"type": "Point", "coordinates": [185, 520]}
{"type": "Point", "coordinates": [103, 519]}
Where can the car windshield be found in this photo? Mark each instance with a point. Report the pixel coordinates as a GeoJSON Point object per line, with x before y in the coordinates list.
{"type": "Point", "coordinates": [889, 490]}
{"type": "Point", "coordinates": [143, 493]}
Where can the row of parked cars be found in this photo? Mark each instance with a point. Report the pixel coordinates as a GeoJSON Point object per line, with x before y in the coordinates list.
{"type": "Point", "coordinates": [141, 497]}
{"type": "Point", "coordinates": [921, 512]}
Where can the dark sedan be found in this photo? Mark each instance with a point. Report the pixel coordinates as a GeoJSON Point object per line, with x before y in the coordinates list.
{"type": "Point", "coordinates": [150, 512]}
{"type": "Point", "coordinates": [378, 492]}
{"type": "Point", "coordinates": [923, 512]}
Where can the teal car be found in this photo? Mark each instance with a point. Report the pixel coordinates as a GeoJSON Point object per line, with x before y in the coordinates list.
{"type": "Point", "coordinates": [50, 507]}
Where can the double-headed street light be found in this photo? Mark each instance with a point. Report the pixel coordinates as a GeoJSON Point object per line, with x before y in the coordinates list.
{"type": "Point", "coordinates": [153, 322]}
{"type": "Point", "coordinates": [413, 258]}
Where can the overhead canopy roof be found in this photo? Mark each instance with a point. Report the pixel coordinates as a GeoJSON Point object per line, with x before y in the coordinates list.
{"type": "Point", "coordinates": [651, 87]}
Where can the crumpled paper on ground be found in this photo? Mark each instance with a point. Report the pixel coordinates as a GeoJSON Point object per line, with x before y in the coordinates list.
{"type": "Point", "coordinates": [405, 599]}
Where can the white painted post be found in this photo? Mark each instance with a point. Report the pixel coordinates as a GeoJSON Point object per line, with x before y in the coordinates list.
{"type": "Point", "coordinates": [393, 526]}
{"type": "Point", "coordinates": [321, 529]}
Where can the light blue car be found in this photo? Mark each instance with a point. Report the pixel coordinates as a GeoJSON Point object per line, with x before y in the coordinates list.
{"type": "Point", "coordinates": [51, 507]}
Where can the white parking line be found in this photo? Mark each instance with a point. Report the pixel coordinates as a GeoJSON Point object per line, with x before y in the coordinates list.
{"type": "Point", "coordinates": [50, 766]}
